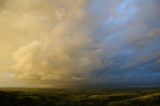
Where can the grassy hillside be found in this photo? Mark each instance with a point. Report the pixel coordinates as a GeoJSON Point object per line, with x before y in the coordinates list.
{"type": "Point", "coordinates": [60, 97]}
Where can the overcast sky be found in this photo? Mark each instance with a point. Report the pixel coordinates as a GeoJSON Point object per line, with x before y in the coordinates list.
{"type": "Point", "coordinates": [79, 43]}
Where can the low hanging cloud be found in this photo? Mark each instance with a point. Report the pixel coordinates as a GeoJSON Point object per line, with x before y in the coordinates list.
{"type": "Point", "coordinates": [80, 43]}
{"type": "Point", "coordinates": [65, 51]}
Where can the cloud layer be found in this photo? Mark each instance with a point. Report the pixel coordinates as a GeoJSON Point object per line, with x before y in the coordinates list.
{"type": "Point", "coordinates": [81, 43]}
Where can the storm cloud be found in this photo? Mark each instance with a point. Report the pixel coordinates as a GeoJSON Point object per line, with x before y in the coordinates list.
{"type": "Point", "coordinates": [80, 43]}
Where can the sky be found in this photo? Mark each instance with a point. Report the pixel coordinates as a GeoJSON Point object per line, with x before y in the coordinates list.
{"type": "Point", "coordinates": [79, 43]}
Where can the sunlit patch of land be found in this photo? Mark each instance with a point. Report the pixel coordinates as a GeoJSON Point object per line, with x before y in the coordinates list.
{"type": "Point", "coordinates": [81, 97]}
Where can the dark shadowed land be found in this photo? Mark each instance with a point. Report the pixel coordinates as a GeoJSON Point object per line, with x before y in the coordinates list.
{"type": "Point", "coordinates": [81, 97]}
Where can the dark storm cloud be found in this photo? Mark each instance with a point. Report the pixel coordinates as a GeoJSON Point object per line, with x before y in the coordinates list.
{"type": "Point", "coordinates": [129, 32]}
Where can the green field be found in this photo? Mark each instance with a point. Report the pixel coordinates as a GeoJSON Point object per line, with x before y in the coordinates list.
{"type": "Point", "coordinates": [66, 97]}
